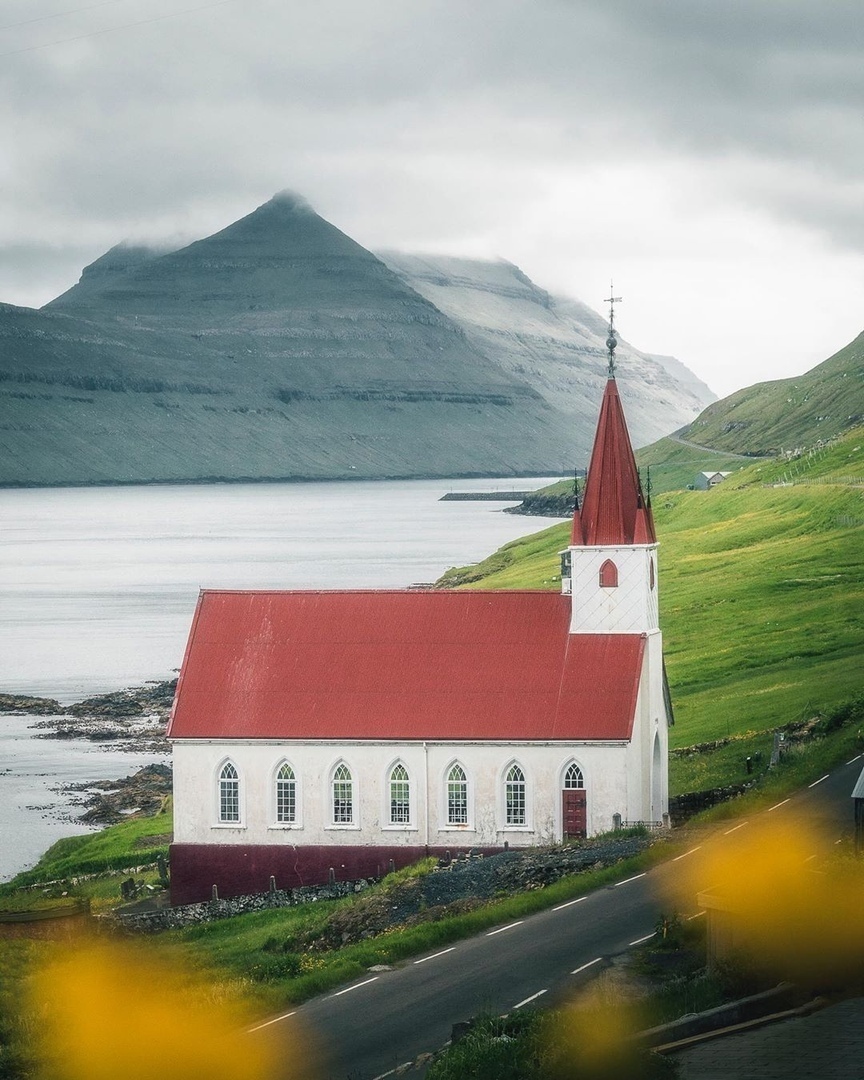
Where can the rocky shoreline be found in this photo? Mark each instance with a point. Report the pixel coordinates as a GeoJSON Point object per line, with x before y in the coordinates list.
{"type": "Point", "coordinates": [134, 718]}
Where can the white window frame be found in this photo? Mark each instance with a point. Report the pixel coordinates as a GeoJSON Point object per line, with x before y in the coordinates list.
{"type": "Point", "coordinates": [387, 818]}
{"type": "Point", "coordinates": [219, 821]}
{"type": "Point", "coordinates": [468, 824]}
{"type": "Point", "coordinates": [512, 826]}
{"type": "Point", "coordinates": [332, 823]}
{"type": "Point", "coordinates": [275, 823]}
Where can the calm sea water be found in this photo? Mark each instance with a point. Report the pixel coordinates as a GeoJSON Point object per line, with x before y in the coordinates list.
{"type": "Point", "coordinates": [98, 587]}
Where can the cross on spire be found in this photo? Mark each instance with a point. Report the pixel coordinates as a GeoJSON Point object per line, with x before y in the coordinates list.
{"type": "Point", "coordinates": [611, 337]}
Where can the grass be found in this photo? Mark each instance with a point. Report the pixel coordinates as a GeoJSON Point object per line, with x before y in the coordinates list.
{"type": "Point", "coordinates": [261, 946]}
{"type": "Point", "coordinates": [761, 597]}
{"type": "Point", "coordinates": [136, 842]}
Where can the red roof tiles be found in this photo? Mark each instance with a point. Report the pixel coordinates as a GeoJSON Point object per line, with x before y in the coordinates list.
{"type": "Point", "coordinates": [613, 508]}
{"type": "Point", "coordinates": [402, 665]}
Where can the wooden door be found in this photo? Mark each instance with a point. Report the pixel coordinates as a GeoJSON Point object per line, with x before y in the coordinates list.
{"type": "Point", "coordinates": [575, 813]}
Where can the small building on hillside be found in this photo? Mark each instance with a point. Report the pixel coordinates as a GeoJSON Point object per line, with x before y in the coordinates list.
{"type": "Point", "coordinates": [348, 729]}
{"type": "Point", "coordinates": [706, 480]}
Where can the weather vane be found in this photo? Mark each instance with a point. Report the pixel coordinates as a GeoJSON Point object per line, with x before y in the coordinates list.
{"type": "Point", "coordinates": [612, 339]}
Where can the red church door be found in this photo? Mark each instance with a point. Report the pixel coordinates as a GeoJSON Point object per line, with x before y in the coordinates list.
{"type": "Point", "coordinates": [575, 812]}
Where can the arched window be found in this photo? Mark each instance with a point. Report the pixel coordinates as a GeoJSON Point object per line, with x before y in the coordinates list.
{"type": "Point", "coordinates": [229, 793]}
{"type": "Point", "coordinates": [573, 777]}
{"type": "Point", "coordinates": [400, 796]}
{"type": "Point", "coordinates": [457, 796]}
{"type": "Point", "coordinates": [286, 795]}
{"type": "Point", "coordinates": [343, 796]}
{"type": "Point", "coordinates": [514, 796]}
{"type": "Point", "coordinates": [608, 575]}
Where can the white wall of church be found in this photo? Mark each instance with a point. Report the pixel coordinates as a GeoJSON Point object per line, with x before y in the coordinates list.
{"type": "Point", "coordinates": [617, 779]}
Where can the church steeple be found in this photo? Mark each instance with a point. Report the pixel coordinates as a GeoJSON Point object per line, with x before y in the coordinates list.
{"type": "Point", "coordinates": [609, 568]}
{"type": "Point", "coordinates": [614, 509]}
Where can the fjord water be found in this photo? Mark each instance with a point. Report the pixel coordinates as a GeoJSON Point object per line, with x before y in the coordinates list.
{"type": "Point", "coordinates": [98, 587]}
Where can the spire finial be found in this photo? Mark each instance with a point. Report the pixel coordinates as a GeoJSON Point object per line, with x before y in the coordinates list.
{"type": "Point", "coordinates": [611, 338]}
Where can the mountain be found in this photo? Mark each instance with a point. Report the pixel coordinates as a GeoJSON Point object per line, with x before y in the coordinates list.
{"type": "Point", "coordinates": [787, 413]}
{"type": "Point", "coordinates": [278, 348]}
{"type": "Point", "coordinates": [556, 343]}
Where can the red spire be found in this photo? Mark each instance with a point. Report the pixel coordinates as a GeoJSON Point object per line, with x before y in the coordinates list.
{"type": "Point", "coordinates": [613, 508]}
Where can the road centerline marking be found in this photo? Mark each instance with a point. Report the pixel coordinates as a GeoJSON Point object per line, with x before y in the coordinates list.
{"type": "Point", "coordinates": [639, 940]}
{"type": "Point", "coordinates": [267, 1023]}
{"type": "Point", "coordinates": [570, 903]}
{"type": "Point", "coordinates": [501, 929]}
{"type": "Point", "coordinates": [627, 881]}
{"type": "Point", "coordinates": [356, 986]}
{"type": "Point", "coordinates": [819, 781]}
{"type": "Point", "coordinates": [854, 759]}
{"type": "Point", "coordinates": [533, 997]}
{"type": "Point", "coordinates": [435, 956]}
{"type": "Point", "coordinates": [737, 827]}
{"type": "Point", "coordinates": [686, 853]}
{"type": "Point", "coordinates": [776, 806]}
{"type": "Point", "coordinates": [590, 963]}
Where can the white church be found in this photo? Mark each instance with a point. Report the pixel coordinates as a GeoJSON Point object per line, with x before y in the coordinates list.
{"type": "Point", "coordinates": [351, 729]}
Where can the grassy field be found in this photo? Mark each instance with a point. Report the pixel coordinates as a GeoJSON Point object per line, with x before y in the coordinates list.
{"type": "Point", "coordinates": [761, 594]}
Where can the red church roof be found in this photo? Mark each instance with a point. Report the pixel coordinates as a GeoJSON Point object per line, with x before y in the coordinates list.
{"type": "Point", "coordinates": [402, 665]}
{"type": "Point", "coordinates": [613, 508]}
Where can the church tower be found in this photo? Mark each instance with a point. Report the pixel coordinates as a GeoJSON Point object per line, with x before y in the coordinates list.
{"type": "Point", "coordinates": [610, 567]}
{"type": "Point", "coordinates": [609, 571]}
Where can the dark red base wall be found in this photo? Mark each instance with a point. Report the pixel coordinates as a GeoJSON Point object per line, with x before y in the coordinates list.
{"type": "Point", "coordinates": [236, 870]}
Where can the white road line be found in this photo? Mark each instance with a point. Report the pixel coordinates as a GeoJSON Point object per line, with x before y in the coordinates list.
{"type": "Point", "coordinates": [434, 955]}
{"type": "Point", "coordinates": [267, 1023]}
{"type": "Point", "coordinates": [501, 929]}
{"type": "Point", "coordinates": [698, 915]}
{"type": "Point", "coordinates": [392, 1072]}
{"type": "Point", "coordinates": [686, 853]}
{"type": "Point", "coordinates": [854, 759]}
{"type": "Point", "coordinates": [533, 997]}
{"type": "Point", "coordinates": [639, 940]}
{"type": "Point", "coordinates": [819, 781]}
{"type": "Point", "coordinates": [590, 963]}
{"type": "Point", "coordinates": [810, 858]}
{"type": "Point", "coordinates": [776, 805]}
{"type": "Point", "coordinates": [570, 903]}
{"type": "Point", "coordinates": [627, 881]}
{"type": "Point", "coordinates": [737, 827]}
{"type": "Point", "coordinates": [356, 986]}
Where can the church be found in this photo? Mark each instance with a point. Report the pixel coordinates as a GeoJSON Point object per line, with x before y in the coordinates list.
{"type": "Point", "coordinates": [354, 730]}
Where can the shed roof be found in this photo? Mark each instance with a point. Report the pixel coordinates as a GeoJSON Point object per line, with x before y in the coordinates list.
{"type": "Point", "coordinates": [402, 665]}
{"type": "Point", "coordinates": [858, 790]}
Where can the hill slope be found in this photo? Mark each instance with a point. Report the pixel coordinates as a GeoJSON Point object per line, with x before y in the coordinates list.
{"type": "Point", "coordinates": [762, 593]}
{"type": "Point", "coordinates": [276, 348]}
{"type": "Point", "coordinates": [788, 413]}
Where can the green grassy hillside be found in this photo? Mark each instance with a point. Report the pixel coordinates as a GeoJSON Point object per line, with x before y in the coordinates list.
{"type": "Point", "coordinates": [761, 593]}
{"type": "Point", "coordinates": [787, 413]}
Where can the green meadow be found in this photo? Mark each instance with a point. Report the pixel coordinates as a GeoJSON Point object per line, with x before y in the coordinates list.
{"type": "Point", "coordinates": [761, 592]}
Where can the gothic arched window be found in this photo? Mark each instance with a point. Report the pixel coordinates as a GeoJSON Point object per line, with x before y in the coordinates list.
{"type": "Point", "coordinates": [400, 795]}
{"type": "Point", "coordinates": [229, 793]}
{"type": "Point", "coordinates": [286, 795]}
{"type": "Point", "coordinates": [608, 575]}
{"type": "Point", "coordinates": [343, 796]}
{"type": "Point", "coordinates": [573, 777]}
{"type": "Point", "coordinates": [514, 796]}
{"type": "Point", "coordinates": [457, 796]}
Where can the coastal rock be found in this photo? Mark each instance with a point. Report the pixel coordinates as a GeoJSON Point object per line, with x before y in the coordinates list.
{"type": "Point", "coordinates": [24, 704]}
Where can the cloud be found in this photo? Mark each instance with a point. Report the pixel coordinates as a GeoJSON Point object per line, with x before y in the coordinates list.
{"type": "Point", "coordinates": [439, 124]}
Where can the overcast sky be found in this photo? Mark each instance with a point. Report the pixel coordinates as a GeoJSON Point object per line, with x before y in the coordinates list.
{"type": "Point", "coordinates": [708, 155]}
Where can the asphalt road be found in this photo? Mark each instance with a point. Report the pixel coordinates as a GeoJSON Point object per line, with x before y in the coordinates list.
{"type": "Point", "coordinates": [389, 1018]}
